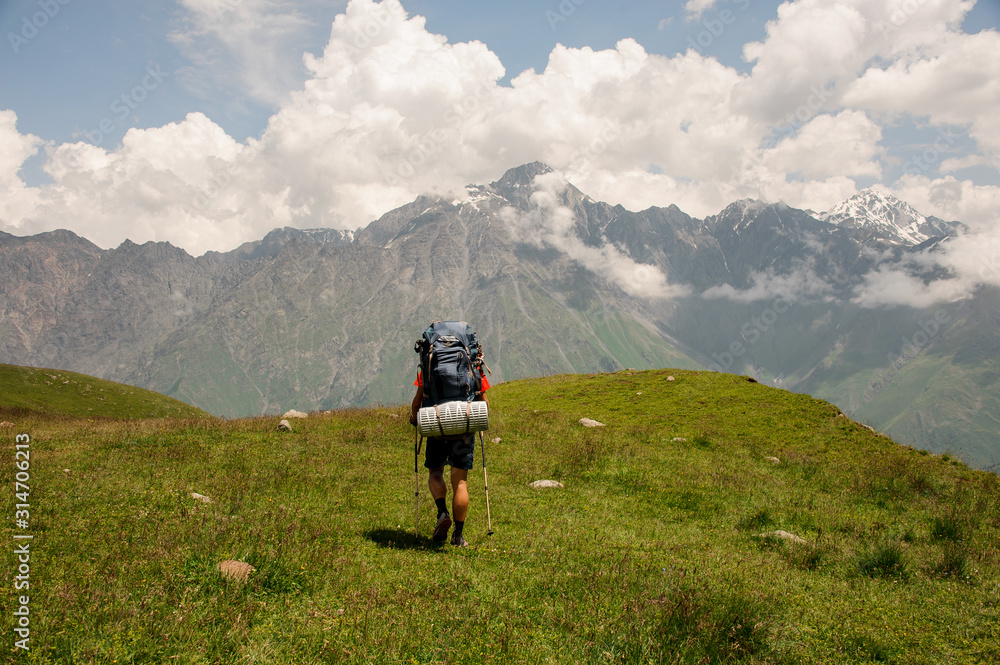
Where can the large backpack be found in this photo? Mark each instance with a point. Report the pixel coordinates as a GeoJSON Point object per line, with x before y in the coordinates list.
{"type": "Point", "coordinates": [450, 356]}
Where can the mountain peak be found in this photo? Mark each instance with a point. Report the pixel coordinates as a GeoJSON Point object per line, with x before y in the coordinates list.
{"type": "Point", "coordinates": [880, 216]}
{"type": "Point", "coordinates": [521, 176]}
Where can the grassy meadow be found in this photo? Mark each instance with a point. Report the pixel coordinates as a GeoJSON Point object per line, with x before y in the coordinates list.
{"type": "Point", "coordinates": [651, 553]}
{"type": "Point", "coordinates": [58, 393]}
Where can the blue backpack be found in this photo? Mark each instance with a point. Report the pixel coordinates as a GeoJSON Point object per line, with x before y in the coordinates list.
{"type": "Point", "coordinates": [450, 358]}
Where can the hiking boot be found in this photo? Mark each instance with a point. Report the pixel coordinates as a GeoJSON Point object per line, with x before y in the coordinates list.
{"type": "Point", "coordinates": [441, 530]}
{"type": "Point", "coordinates": [458, 541]}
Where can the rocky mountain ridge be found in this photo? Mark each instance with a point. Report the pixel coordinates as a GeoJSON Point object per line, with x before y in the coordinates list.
{"type": "Point", "coordinates": [318, 319]}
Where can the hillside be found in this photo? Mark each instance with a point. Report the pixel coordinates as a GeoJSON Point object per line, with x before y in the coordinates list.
{"type": "Point", "coordinates": [52, 392]}
{"type": "Point", "coordinates": [662, 546]}
{"type": "Point", "coordinates": [554, 282]}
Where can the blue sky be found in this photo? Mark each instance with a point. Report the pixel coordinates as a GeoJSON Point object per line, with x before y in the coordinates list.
{"type": "Point", "coordinates": [63, 80]}
{"type": "Point", "coordinates": [704, 101]}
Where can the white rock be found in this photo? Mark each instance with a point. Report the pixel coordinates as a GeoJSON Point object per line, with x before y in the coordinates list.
{"type": "Point", "coordinates": [538, 484]}
{"type": "Point", "coordinates": [496, 439]}
{"type": "Point", "coordinates": [294, 414]}
{"type": "Point", "coordinates": [201, 497]}
{"type": "Point", "coordinates": [773, 460]}
{"type": "Point", "coordinates": [587, 422]}
{"type": "Point", "coordinates": [679, 439]}
{"type": "Point", "coordinates": [783, 535]}
{"type": "Point", "coordinates": [670, 378]}
{"type": "Point", "coordinates": [285, 426]}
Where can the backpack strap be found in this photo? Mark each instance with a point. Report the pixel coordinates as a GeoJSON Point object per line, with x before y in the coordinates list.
{"type": "Point", "coordinates": [474, 375]}
{"type": "Point", "coordinates": [468, 419]}
{"type": "Point", "coordinates": [437, 412]}
{"type": "Point", "coordinates": [429, 378]}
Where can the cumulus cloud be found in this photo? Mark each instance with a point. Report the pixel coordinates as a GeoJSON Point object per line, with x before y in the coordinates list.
{"type": "Point", "coordinates": [389, 111]}
{"type": "Point", "coordinates": [952, 199]}
{"type": "Point", "coordinates": [16, 200]}
{"type": "Point", "coordinates": [827, 146]}
{"type": "Point", "coordinates": [954, 82]}
{"type": "Point", "coordinates": [814, 48]}
{"type": "Point", "coordinates": [552, 223]}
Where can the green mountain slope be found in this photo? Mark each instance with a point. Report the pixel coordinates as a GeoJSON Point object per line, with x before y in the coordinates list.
{"type": "Point", "coordinates": [925, 377]}
{"type": "Point", "coordinates": [321, 319]}
{"type": "Point", "coordinates": [51, 392]}
{"type": "Point", "coordinates": [331, 327]}
{"type": "Point", "coordinates": [664, 544]}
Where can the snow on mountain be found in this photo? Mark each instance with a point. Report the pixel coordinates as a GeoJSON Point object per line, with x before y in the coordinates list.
{"type": "Point", "coordinates": [876, 216]}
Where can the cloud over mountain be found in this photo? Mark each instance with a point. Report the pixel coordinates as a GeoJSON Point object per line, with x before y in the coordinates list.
{"type": "Point", "coordinates": [390, 110]}
{"type": "Point", "coordinates": [550, 222]}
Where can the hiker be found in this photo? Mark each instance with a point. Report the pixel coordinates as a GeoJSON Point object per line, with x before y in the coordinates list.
{"type": "Point", "coordinates": [456, 451]}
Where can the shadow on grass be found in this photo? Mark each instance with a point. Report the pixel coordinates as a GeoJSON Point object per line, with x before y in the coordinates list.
{"type": "Point", "coordinates": [398, 539]}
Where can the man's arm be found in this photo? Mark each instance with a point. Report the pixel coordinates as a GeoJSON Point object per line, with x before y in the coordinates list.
{"type": "Point", "coordinates": [418, 399]}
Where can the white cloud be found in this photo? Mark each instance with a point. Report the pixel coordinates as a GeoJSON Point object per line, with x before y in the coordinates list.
{"type": "Point", "coordinates": [955, 82]}
{"type": "Point", "coordinates": [887, 286]}
{"type": "Point", "coordinates": [552, 223]}
{"type": "Point", "coordinates": [16, 200]}
{"type": "Point", "coordinates": [695, 8]}
{"type": "Point", "coordinates": [243, 46]}
{"type": "Point", "coordinates": [952, 199]}
{"type": "Point", "coordinates": [389, 111]}
{"type": "Point", "coordinates": [970, 260]}
{"type": "Point", "coordinates": [800, 284]}
{"type": "Point", "coordinates": [845, 144]}
{"type": "Point", "coordinates": [824, 45]}
{"type": "Point", "coordinates": [953, 164]}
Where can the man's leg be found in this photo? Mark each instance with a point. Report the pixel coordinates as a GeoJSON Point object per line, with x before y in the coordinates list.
{"type": "Point", "coordinates": [460, 498]}
{"type": "Point", "coordinates": [459, 503]}
{"type": "Point", "coordinates": [435, 481]}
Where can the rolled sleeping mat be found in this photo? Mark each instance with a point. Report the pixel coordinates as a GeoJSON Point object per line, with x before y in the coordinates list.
{"type": "Point", "coordinates": [453, 418]}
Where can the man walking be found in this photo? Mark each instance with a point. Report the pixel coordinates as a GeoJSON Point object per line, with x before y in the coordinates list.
{"type": "Point", "coordinates": [458, 451]}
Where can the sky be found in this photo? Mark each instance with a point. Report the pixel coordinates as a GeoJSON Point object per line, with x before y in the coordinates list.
{"type": "Point", "coordinates": [207, 123]}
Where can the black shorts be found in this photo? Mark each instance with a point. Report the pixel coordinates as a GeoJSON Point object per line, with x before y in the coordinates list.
{"type": "Point", "coordinates": [457, 453]}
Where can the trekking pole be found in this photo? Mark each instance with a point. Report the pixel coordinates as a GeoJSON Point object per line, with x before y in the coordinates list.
{"type": "Point", "coordinates": [417, 441]}
{"type": "Point", "coordinates": [486, 486]}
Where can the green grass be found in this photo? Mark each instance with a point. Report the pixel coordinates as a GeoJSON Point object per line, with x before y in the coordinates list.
{"type": "Point", "coordinates": [56, 392]}
{"type": "Point", "coordinates": [652, 552]}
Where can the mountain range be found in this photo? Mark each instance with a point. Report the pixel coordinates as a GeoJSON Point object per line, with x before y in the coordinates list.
{"type": "Point", "coordinates": [554, 282]}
